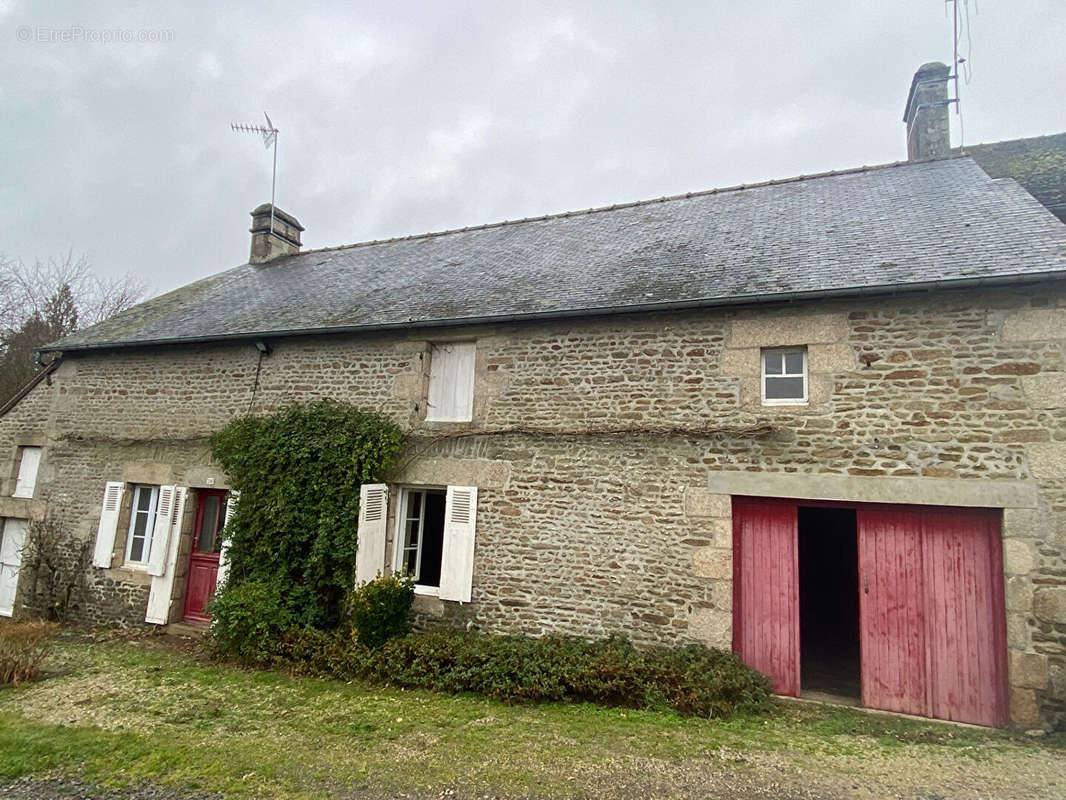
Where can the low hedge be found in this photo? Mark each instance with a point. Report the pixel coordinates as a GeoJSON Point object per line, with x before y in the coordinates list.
{"type": "Point", "coordinates": [24, 646]}
{"type": "Point", "coordinates": [692, 680]}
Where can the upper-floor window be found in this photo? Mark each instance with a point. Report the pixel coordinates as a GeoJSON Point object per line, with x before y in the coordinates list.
{"type": "Point", "coordinates": [142, 524]}
{"type": "Point", "coordinates": [29, 461]}
{"type": "Point", "coordinates": [784, 376]}
{"type": "Point", "coordinates": [451, 382]}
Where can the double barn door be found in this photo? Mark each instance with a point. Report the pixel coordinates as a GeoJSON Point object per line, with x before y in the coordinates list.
{"type": "Point", "coordinates": [932, 626]}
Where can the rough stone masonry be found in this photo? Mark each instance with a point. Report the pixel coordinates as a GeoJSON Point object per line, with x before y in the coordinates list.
{"type": "Point", "coordinates": [949, 398]}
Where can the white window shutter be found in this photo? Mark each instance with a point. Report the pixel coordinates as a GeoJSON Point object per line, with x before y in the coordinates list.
{"type": "Point", "coordinates": [457, 562]}
{"type": "Point", "coordinates": [451, 382]}
{"type": "Point", "coordinates": [105, 533]}
{"type": "Point", "coordinates": [26, 482]}
{"type": "Point", "coordinates": [164, 520]}
{"type": "Point", "coordinates": [169, 531]}
{"type": "Point", "coordinates": [373, 508]}
{"type": "Point", "coordinates": [223, 553]}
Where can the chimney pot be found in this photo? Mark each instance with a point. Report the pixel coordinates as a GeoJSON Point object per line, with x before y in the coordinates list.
{"type": "Point", "coordinates": [267, 245]}
{"type": "Point", "coordinates": [926, 113]}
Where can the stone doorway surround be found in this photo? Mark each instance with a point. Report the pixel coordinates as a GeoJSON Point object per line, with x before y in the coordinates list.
{"type": "Point", "coordinates": [1025, 526]}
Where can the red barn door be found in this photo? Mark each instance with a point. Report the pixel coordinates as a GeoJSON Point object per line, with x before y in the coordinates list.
{"type": "Point", "coordinates": [932, 626]}
{"type": "Point", "coordinates": [891, 610]}
{"type": "Point", "coordinates": [766, 590]}
{"type": "Point", "coordinates": [965, 617]}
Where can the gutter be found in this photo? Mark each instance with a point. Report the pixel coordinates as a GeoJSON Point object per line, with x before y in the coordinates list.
{"type": "Point", "coordinates": [25, 390]}
{"type": "Point", "coordinates": [535, 316]}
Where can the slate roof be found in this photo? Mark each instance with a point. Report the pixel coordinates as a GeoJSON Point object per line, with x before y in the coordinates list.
{"type": "Point", "coordinates": [1038, 163]}
{"type": "Point", "coordinates": [897, 227]}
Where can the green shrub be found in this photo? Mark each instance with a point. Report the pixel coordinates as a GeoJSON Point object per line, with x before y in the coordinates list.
{"type": "Point", "coordinates": [23, 648]}
{"type": "Point", "coordinates": [693, 680]}
{"type": "Point", "coordinates": [299, 472]}
{"type": "Point", "coordinates": [248, 620]}
{"type": "Point", "coordinates": [381, 609]}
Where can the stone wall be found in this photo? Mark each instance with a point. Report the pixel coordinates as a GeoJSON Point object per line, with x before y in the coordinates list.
{"type": "Point", "coordinates": [949, 398]}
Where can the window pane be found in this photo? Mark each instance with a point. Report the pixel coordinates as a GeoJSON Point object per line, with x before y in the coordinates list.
{"type": "Point", "coordinates": [221, 524]}
{"type": "Point", "coordinates": [412, 533]}
{"type": "Point", "coordinates": [208, 525]}
{"type": "Point", "coordinates": [137, 548]}
{"type": "Point", "coordinates": [415, 506]}
{"type": "Point", "coordinates": [773, 363]}
{"type": "Point", "coordinates": [140, 523]}
{"type": "Point", "coordinates": [144, 498]}
{"type": "Point", "coordinates": [784, 388]}
{"type": "Point", "coordinates": [794, 363]}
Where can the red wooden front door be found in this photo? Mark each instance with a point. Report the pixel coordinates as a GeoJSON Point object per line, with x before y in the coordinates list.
{"type": "Point", "coordinates": [203, 561]}
{"type": "Point", "coordinates": [766, 590]}
{"type": "Point", "coordinates": [932, 613]}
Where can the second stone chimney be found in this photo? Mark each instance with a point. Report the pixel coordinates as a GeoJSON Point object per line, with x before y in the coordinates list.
{"type": "Point", "coordinates": [284, 240]}
{"type": "Point", "coordinates": [926, 114]}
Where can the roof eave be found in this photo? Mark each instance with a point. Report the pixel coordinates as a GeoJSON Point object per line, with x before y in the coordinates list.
{"type": "Point", "coordinates": [685, 305]}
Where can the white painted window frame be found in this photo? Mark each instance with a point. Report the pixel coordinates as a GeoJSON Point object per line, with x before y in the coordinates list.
{"type": "Point", "coordinates": [784, 401]}
{"type": "Point", "coordinates": [456, 376]}
{"type": "Point", "coordinates": [26, 482]}
{"type": "Point", "coordinates": [149, 528]}
{"type": "Point", "coordinates": [400, 536]}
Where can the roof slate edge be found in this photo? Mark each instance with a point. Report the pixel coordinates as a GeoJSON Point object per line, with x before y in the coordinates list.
{"type": "Point", "coordinates": [535, 316]}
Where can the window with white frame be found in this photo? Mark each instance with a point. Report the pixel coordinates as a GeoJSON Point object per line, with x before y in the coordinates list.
{"type": "Point", "coordinates": [142, 524]}
{"type": "Point", "coordinates": [29, 462]}
{"type": "Point", "coordinates": [451, 382]}
{"type": "Point", "coordinates": [420, 535]}
{"type": "Point", "coordinates": [784, 376]}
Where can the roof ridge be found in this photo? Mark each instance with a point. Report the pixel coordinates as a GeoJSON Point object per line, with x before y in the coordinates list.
{"type": "Point", "coordinates": [618, 206]}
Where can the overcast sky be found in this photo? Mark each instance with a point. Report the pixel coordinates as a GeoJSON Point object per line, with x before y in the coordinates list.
{"type": "Point", "coordinates": [407, 117]}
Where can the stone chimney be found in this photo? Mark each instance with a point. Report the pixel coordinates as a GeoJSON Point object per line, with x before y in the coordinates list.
{"type": "Point", "coordinates": [284, 241]}
{"type": "Point", "coordinates": [926, 114]}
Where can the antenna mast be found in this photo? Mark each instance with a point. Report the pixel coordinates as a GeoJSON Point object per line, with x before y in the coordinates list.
{"type": "Point", "coordinates": [956, 60]}
{"type": "Point", "coordinates": [270, 138]}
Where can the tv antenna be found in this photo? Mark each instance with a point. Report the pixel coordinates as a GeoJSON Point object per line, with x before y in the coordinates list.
{"type": "Point", "coordinates": [957, 60]}
{"type": "Point", "coordinates": [270, 138]}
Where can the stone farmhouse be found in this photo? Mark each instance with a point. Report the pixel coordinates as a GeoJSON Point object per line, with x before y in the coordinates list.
{"type": "Point", "coordinates": [821, 421]}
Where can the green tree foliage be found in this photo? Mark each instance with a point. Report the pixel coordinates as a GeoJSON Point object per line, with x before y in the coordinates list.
{"type": "Point", "coordinates": [294, 528]}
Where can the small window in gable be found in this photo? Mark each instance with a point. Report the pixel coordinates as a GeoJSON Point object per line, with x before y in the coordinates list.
{"type": "Point", "coordinates": [784, 376]}
{"type": "Point", "coordinates": [142, 524]}
{"type": "Point", "coordinates": [29, 462]}
{"type": "Point", "coordinates": [451, 382]}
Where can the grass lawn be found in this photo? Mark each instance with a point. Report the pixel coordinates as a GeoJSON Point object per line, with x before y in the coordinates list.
{"type": "Point", "coordinates": [119, 712]}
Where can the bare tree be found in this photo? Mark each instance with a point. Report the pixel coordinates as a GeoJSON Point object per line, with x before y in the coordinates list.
{"type": "Point", "coordinates": [48, 300]}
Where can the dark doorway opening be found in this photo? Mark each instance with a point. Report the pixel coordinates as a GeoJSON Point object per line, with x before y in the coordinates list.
{"type": "Point", "coordinates": [829, 603]}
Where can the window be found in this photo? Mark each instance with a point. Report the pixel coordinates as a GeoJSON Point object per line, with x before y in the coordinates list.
{"type": "Point", "coordinates": [420, 535]}
{"type": "Point", "coordinates": [451, 382]}
{"type": "Point", "coordinates": [142, 524]}
{"type": "Point", "coordinates": [784, 376]}
{"type": "Point", "coordinates": [29, 461]}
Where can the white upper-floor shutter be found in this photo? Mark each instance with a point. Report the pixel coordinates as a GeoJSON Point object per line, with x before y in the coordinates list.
{"type": "Point", "coordinates": [457, 561]}
{"type": "Point", "coordinates": [28, 466]}
{"type": "Point", "coordinates": [451, 382]}
{"type": "Point", "coordinates": [162, 590]}
{"type": "Point", "coordinates": [223, 552]}
{"type": "Point", "coordinates": [164, 518]}
{"type": "Point", "coordinates": [105, 533]}
{"type": "Point", "coordinates": [373, 508]}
